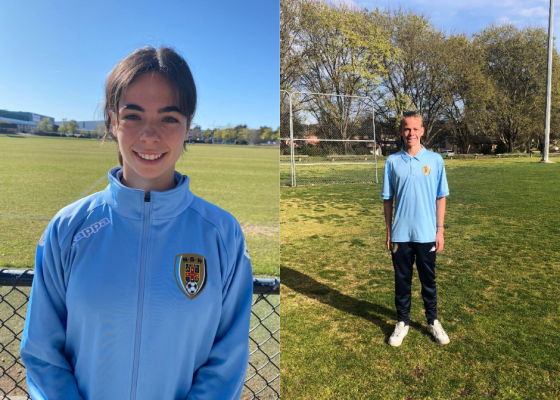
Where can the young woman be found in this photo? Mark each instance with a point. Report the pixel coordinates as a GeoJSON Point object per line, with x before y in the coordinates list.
{"type": "Point", "coordinates": [142, 291]}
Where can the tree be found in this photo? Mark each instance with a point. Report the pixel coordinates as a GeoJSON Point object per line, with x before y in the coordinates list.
{"type": "Point", "coordinates": [45, 125]}
{"type": "Point", "coordinates": [415, 76]}
{"type": "Point", "coordinates": [341, 49]}
{"type": "Point", "coordinates": [195, 131]}
{"type": "Point", "coordinates": [73, 126]}
{"type": "Point", "coordinates": [63, 128]}
{"type": "Point", "coordinates": [515, 62]}
{"type": "Point", "coordinates": [99, 130]}
{"type": "Point", "coordinates": [467, 91]}
{"type": "Point", "coordinates": [267, 134]}
{"type": "Point", "coordinates": [290, 57]}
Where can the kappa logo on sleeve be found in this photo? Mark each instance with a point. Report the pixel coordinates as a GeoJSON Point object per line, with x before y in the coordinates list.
{"type": "Point", "coordinates": [90, 230]}
{"type": "Point", "coordinates": [191, 272]}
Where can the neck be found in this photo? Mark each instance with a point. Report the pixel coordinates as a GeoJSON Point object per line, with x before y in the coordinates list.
{"type": "Point", "coordinates": [412, 151]}
{"type": "Point", "coordinates": [159, 184]}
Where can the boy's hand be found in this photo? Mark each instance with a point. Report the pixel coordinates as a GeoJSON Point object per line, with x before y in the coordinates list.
{"type": "Point", "coordinates": [439, 241]}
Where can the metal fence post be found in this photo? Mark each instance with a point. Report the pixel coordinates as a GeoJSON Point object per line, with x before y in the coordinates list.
{"type": "Point", "coordinates": [292, 157]}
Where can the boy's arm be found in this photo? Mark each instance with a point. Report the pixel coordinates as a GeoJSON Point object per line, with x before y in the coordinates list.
{"type": "Point", "coordinates": [388, 210]}
{"type": "Point", "coordinates": [387, 194]}
{"type": "Point", "coordinates": [440, 217]}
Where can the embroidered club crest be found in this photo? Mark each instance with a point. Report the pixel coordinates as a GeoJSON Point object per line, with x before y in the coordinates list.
{"type": "Point", "coordinates": [426, 170]}
{"type": "Point", "coordinates": [191, 274]}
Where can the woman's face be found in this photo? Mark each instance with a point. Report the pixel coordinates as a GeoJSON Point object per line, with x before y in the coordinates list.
{"type": "Point", "coordinates": [150, 133]}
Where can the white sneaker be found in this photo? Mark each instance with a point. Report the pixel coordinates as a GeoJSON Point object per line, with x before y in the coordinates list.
{"type": "Point", "coordinates": [436, 330]}
{"type": "Point", "coordinates": [401, 330]}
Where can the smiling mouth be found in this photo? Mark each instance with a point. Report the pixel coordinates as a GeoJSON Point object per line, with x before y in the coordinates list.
{"type": "Point", "coordinates": [149, 157]}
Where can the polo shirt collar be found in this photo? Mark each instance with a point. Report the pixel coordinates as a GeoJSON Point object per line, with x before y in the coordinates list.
{"type": "Point", "coordinates": [406, 157]}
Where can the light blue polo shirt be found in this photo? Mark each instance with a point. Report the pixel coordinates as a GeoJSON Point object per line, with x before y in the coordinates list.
{"type": "Point", "coordinates": [415, 183]}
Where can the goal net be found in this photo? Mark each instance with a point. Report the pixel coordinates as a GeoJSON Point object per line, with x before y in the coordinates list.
{"type": "Point", "coordinates": [327, 139]}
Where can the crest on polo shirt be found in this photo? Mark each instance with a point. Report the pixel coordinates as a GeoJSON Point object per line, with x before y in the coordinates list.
{"type": "Point", "coordinates": [426, 170]}
{"type": "Point", "coordinates": [191, 272]}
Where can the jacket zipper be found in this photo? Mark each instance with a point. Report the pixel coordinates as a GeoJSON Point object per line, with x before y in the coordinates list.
{"type": "Point", "coordinates": [142, 274]}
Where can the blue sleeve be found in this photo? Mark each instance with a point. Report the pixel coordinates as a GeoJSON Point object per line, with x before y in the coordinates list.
{"type": "Point", "coordinates": [49, 374]}
{"type": "Point", "coordinates": [223, 376]}
{"type": "Point", "coordinates": [443, 189]}
{"type": "Point", "coordinates": [387, 191]}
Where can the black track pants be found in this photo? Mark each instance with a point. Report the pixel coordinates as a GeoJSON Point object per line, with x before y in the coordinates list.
{"type": "Point", "coordinates": [404, 255]}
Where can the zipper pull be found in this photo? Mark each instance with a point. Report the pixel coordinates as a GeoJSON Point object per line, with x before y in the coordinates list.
{"type": "Point", "coordinates": [147, 197]}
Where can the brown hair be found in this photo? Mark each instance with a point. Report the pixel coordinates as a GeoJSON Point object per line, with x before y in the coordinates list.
{"type": "Point", "coordinates": [411, 114]}
{"type": "Point", "coordinates": [147, 59]}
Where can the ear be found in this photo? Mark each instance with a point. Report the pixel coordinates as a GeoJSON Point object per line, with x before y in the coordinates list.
{"type": "Point", "coordinates": [114, 122]}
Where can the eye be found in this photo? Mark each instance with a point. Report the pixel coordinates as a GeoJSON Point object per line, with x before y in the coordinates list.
{"type": "Point", "coordinates": [131, 117]}
{"type": "Point", "coordinates": [170, 119]}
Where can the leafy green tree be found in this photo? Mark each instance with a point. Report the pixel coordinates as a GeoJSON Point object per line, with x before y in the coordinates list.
{"type": "Point", "coordinates": [290, 56]}
{"type": "Point", "coordinates": [46, 125]}
{"type": "Point", "coordinates": [467, 92]}
{"type": "Point", "coordinates": [195, 131]}
{"type": "Point", "coordinates": [63, 128]}
{"type": "Point", "coordinates": [99, 130]}
{"type": "Point", "coordinates": [415, 77]}
{"type": "Point", "coordinates": [73, 126]}
{"type": "Point", "coordinates": [207, 134]}
{"type": "Point", "coordinates": [341, 49]}
{"type": "Point", "coordinates": [515, 62]}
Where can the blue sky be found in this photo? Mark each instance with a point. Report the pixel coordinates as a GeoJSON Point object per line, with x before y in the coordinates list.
{"type": "Point", "coordinates": [470, 16]}
{"type": "Point", "coordinates": [56, 54]}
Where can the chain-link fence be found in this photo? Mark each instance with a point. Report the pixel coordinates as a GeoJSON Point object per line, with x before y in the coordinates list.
{"type": "Point", "coordinates": [327, 139]}
{"type": "Point", "coordinates": [263, 372]}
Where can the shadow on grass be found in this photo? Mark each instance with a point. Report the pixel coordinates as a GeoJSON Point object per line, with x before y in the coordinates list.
{"type": "Point", "coordinates": [373, 313]}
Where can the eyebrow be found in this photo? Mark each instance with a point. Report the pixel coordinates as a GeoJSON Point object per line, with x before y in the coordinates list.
{"type": "Point", "coordinates": [161, 110]}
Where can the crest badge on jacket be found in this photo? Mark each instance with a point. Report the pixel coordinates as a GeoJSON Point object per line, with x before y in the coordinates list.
{"type": "Point", "coordinates": [191, 274]}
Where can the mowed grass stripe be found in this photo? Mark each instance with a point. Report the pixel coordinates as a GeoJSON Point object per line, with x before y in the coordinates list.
{"type": "Point", "coordinates": [39, 176]}
{"type": "Point", "coordinates": [498, 291]}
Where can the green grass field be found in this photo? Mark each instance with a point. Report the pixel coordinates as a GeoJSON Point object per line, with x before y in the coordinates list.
{"type": "Point", "coordinates": [39, 176]}
{"type": "Point", "coordinates": [498, 289]}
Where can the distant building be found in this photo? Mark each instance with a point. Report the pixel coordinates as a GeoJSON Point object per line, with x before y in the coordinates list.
{"type": "Point", "coordinates": [87, 125]}
{"type": "Point", "coordinates": [25, 121]}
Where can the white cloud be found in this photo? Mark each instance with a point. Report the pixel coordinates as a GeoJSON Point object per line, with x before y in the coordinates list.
{"type": "Point", "coordinates": [534, 12]}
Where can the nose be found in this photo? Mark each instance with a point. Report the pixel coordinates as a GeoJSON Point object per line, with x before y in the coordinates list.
{"type": "Point", "coordinates": [150, 133]}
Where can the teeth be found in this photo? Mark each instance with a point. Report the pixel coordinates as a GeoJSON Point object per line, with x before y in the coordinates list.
{"type": "Point", "coordinates": [150, 156]}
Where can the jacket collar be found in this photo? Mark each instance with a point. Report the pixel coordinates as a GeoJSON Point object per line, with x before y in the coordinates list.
{"type": "Point", "coordinates": [130, 202]}
{"type": "Point", "coordinates": [406, 157]}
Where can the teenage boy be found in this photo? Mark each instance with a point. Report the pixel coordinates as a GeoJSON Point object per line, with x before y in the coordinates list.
{"type": "Point", "coordinates": [415, 178]}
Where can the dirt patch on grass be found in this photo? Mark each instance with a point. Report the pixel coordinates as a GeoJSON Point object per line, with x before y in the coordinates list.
{"type": "Point", "coordinates": [269, 231]}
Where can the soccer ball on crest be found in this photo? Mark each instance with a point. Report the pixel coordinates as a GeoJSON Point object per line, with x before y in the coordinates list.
{"type": "Point", "coordinates": [192, 287]}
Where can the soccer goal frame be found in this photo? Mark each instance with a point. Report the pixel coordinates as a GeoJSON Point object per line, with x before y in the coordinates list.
{"type": "Point", "coordinates": [332, 139]}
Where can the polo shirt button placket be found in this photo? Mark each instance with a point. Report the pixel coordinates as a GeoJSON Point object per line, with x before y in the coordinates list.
{"type": "Point", "coordinates": [412, 169]}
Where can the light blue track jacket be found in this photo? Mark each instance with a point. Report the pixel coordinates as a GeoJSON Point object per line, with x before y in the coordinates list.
{"type": "Point", "coordinates": [139, 295]}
